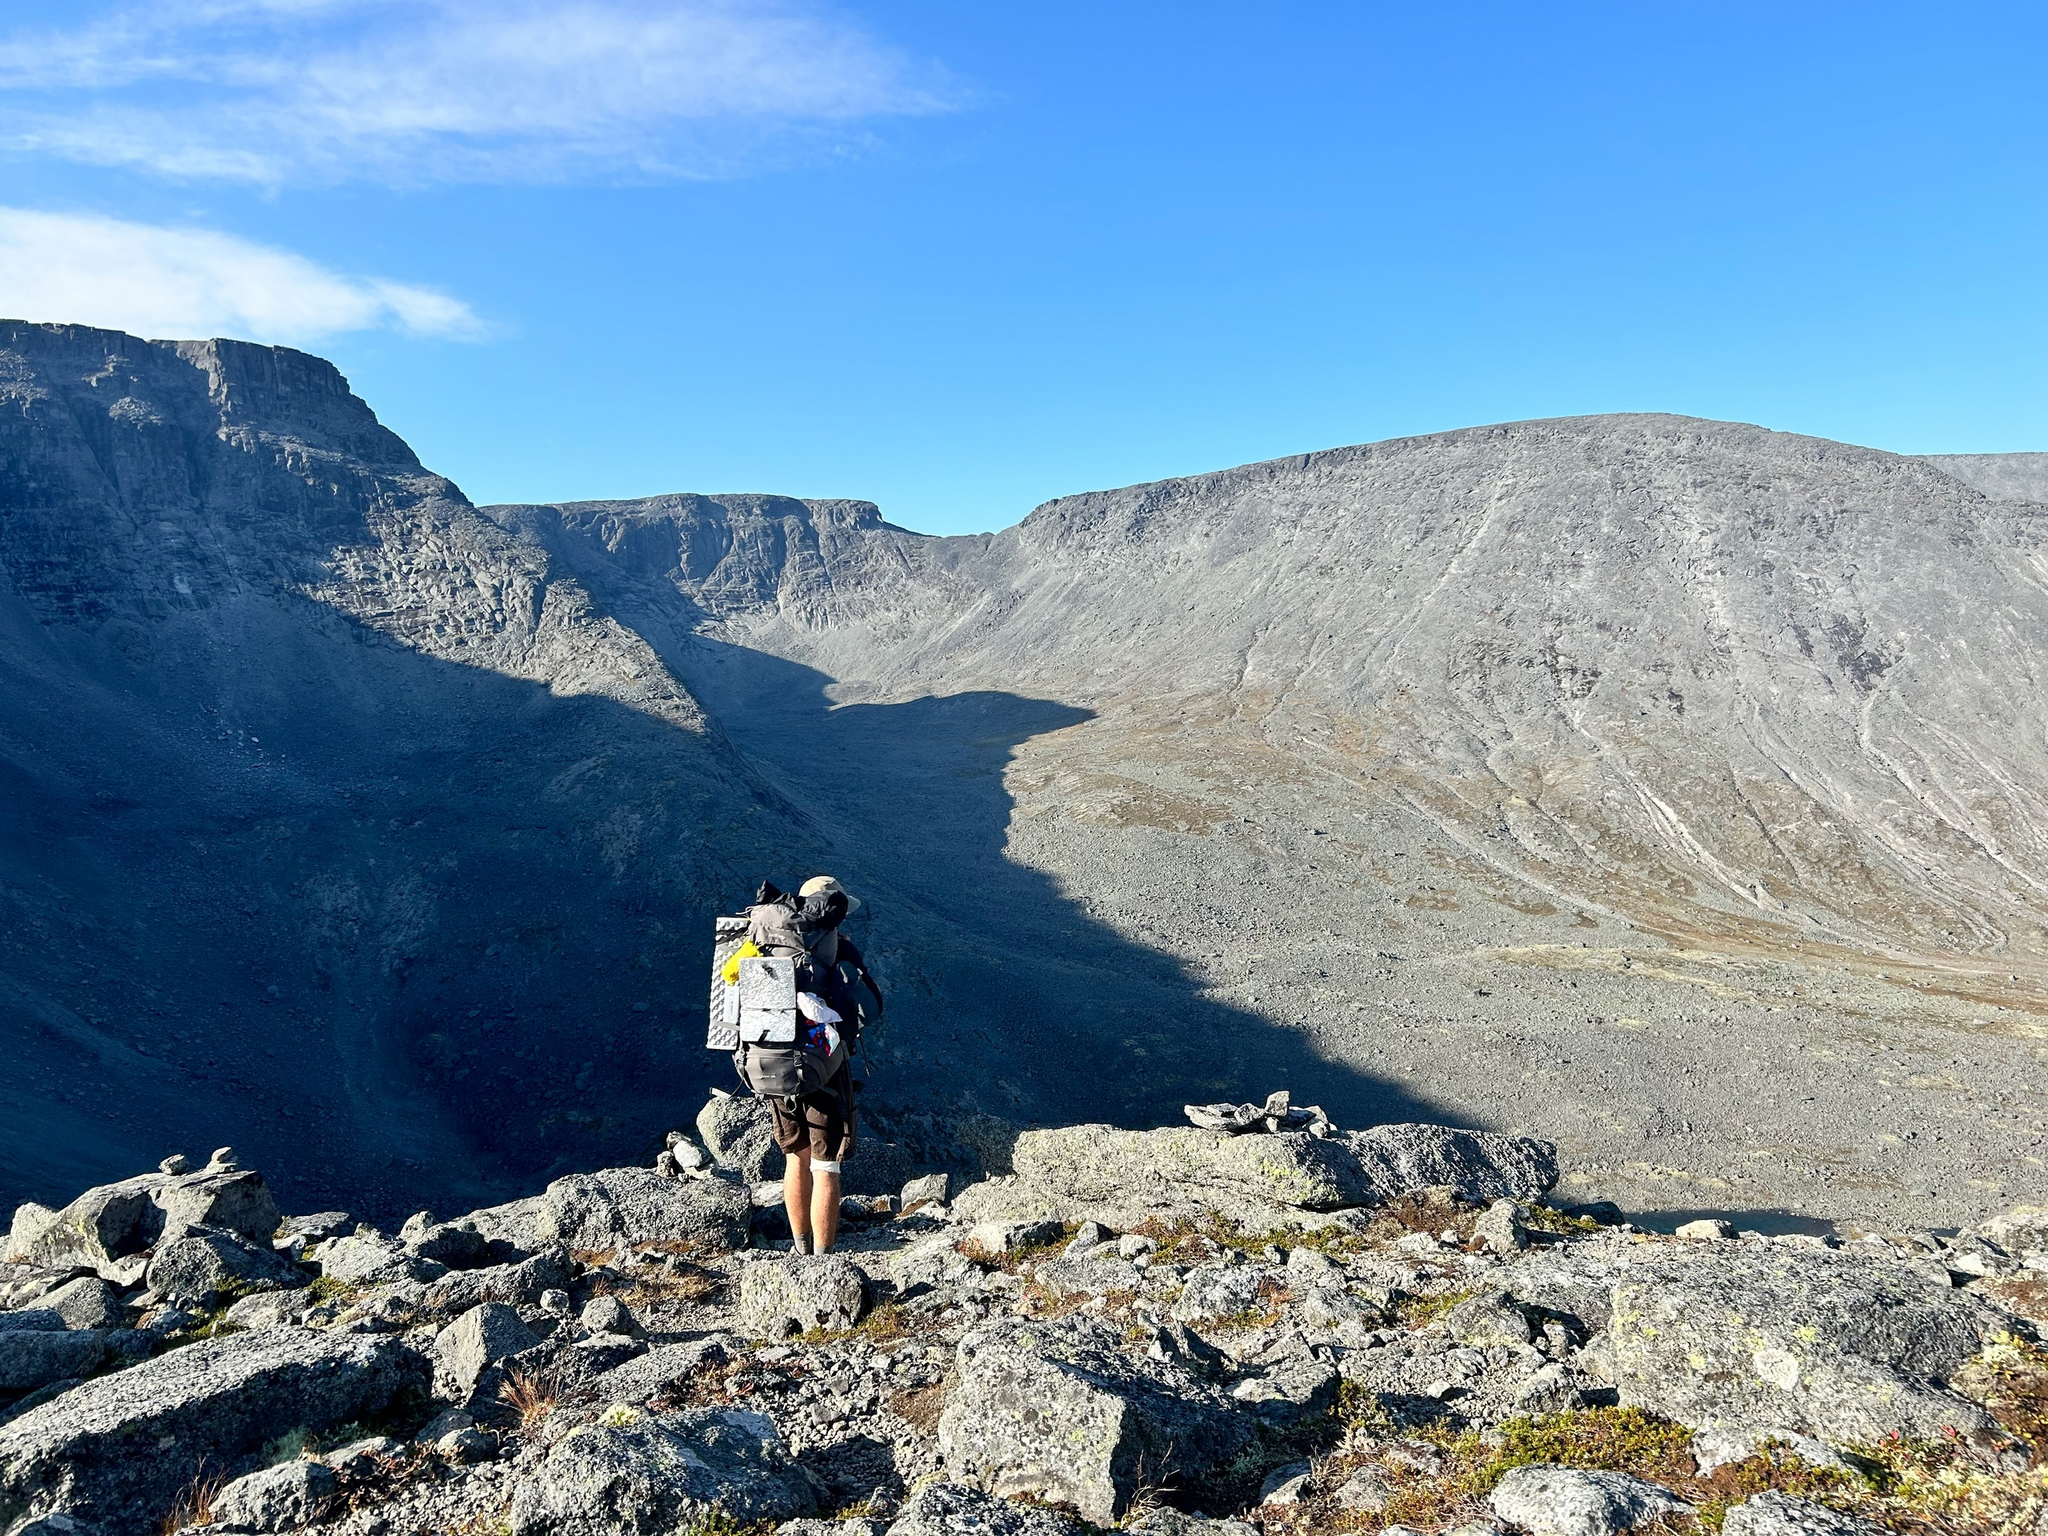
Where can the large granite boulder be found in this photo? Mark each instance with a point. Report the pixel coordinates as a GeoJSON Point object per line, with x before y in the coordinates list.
{"type": "Point", "coordinates": [286, 1497]}
{"type": "Point", "coordinates": [617, 1207]}
{"type": "Point", "coordinates": [35, 1357]}
{"type": "Point", "coordinates": [639, 1474]}
{"type": "Point", "coordinates": [739, 1133]}
{"type": "Point", "coordinates": [1479, 1166]}
{"type": "Point", "coordinates": [1064, 1412]}
{"type": "Point", "coordinates": [952, 1509]}
{"type": "Point", "coordinates": [116, 1222]}
{"type": "Point", "coordinates": [1846, 1347]}
{"type": "Point", "coordinates": [117, 1450]}
{"type": "Point", "coordinates": [519, 1285]}
{"type": "Point", "coordinates": [1571, 1501]}
{"type": "Point", "coordinates": [1259, 1182]}
{"type": "Point", "coordinates": [472, 1344]}
{"type": "Point", "coordinates": [205, 1266]}
{"type": "Point", "coordinates": [800, 1292]}
{"type": "Point", "coordinates": [367, 1257]}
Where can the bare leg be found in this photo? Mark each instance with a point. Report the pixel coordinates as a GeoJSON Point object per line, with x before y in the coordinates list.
{"type": "Point", "coordinates": [824, 1210]}
{"type": "Point", "coordinates": [796, 1196]}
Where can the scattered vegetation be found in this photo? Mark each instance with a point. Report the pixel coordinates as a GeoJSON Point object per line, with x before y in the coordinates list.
{"type": "Point", "coordinates": [889, 1323]}
{"type": "Point", "coordinates": [1413, 1312]}
{"type": "Point", "coordinates": [920, 1406]}
{"type": "Point", "coordinates": [531, 1396]}
{"type": "Point", "coordinates": [1009, 1263]}
{"type": "Point", "coordinates": [195, 1505]}
{"type": "Point", "coordinates": [327, 1289]}
{"type": "Point", "coordinates": [716, 1520]}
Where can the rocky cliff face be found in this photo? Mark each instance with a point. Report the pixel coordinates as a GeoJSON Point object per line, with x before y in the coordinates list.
{"type": "Point", "coordinates": [336, 817]}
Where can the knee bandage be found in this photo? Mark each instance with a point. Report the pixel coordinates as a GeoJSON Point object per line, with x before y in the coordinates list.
{"type": "Point", "coordinates": [824, 1165]}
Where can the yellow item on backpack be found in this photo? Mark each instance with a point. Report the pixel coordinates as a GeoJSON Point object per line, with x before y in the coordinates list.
{"type": "Point", "coordinates": [747, 951]}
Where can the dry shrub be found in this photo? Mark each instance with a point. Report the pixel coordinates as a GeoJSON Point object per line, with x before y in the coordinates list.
{"type": "Point", "coordinates": [195, 1505]}
{"type": "Point", "coordinates": [531, 1395]}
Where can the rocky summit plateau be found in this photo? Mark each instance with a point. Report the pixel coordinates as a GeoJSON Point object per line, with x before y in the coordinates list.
{"type": "Point", "coordinates": [1255, 1323]}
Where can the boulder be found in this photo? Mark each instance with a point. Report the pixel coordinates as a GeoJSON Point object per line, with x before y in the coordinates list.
{"type": "Point", "coordinates": [1500, 1230]}
{"type": "Point", "coordinates": [87, 1302]}
{"type": "Point", "coordinates": [1121, 1177]}
{"type": "Point", "coordinates": [647, 1376]}
{"type": "Point", "coordinates": [2023, 1229]}
{"type": "Point", "coordinates": [617, 1207]}
{"type": "Point", "coordinates": [520, 1285]}
{"type": "Point", "coordinates": [367, 1257]}
{"type": "Point", "coordinates": [198, 1270]}
{"type": "Point", "coordinates": [511, 1224]}
{"type": "Point", "coordinates": [996, 1238]}
{"type": "Point", "coordinates": [1478, 1166]}
{"type": "Point", "coordinates": [1062, 1411]}
{"type": "Point", "coordinates": [472, 1344]}
{"type": "Point", "coordinates": [455, 1244]}
{"type": "Point", "coordinates": [608, 1314]}
{"type": "Point", "coordinates": [1212, 1291]}
{"type": "Point", "coordinates": [30, 1222]}
{"type": "Point", "coordinates": [286, 1497]}
{"type": "Point", "coordinates": [799, 1292]}
{"type": "Point", "coordinates": [930, 1189]}
{"type": "Point", "coordinates": [1489, 1319]}
{"type": "Point", "coordinates": [113, 1222]}
{"type": "Point", "coordinates": [1568, 1501]}
{"type": "Point", "coordinates": [951, 1509]}
{"type": "Point", "coordinates": [54, 1524]}
{"type": "Point", "coordinates": [739, 1133]}
{"type": "Point", "coordinates": [1847, 1347]}
{"type": "Point", "coordinates": [118, 1449]}
{"type": "Point", "coordinates": [35, 1357]}
{"type": "Point", "coordinates": [296, 1232]}
{"type": "Point", "coordinates": [271, 1309]}
{"type": "Point", "coordinates": [1780, 1514]}
{"type": "Point", "coordinates": [637, 1474]}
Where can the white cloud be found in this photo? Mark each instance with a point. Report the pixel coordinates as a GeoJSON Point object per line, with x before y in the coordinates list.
{"type": "Point", "coordinates": [412, 91]}
{"type": "Point", "coordinates": [170, 282]}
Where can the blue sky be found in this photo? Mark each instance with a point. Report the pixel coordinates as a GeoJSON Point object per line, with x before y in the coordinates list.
{"type": "Point", "coordinates": [960, 258]}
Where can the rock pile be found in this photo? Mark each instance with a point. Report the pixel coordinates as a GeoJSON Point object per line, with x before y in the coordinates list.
{"type": "Point", "coordinates": [1254, 1325]}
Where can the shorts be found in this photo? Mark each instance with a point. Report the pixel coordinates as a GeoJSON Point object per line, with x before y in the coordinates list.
{"type": "Point", "coordinates": [822, 1123]}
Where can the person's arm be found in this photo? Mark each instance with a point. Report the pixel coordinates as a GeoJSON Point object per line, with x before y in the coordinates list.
{"type": "Point", "coordinates": [849, 954]}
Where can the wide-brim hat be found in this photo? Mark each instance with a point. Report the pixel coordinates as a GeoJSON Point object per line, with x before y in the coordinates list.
{"type": "Point", "coordinates": [825, 885]}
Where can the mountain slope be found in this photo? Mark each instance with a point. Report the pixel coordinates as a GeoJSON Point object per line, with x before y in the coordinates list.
{"type": "Point", "coordinates": [1671, 787]}
{"type": "Point", "coordinates": [329, 804]}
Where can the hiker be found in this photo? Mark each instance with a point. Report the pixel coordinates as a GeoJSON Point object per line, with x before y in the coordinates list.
{"type": "Point", "coordinates": [814, 1128]}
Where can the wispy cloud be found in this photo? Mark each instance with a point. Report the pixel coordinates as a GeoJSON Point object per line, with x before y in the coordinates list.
{"type": "Point", "coordinates": [413, 91]}
{"type": "Point", "coordinates": [157, 281]}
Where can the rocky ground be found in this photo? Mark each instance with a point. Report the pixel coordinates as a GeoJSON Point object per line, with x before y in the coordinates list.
{"type": "Point", "coordinates": [1252, 1324]}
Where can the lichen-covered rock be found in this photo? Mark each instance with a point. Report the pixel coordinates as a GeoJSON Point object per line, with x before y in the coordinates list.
{"type": "Point", "coordinates": [1218, 1290]}
{"type": "Point", "coordinates": [87, 1302]}
{"type": "Point", "coordinates": [1132, 1173]}
{"type": "Point", "coordinates": [1567, 1501]}
{"type": "Point", "coordinates": [1063, 1411]}
{"type": "Point", "coordinates": [799, 1292]}
{"type": "Point", "coordinates": [1780, 1514]}
{"type": "Point", "coordinates": [739, 1133]}
{"type": "Point", "coordinates": [271, 1309]}
{"type": "Point", "coordinates": [1847, 1347]}
{"type": "Point", "coordinates": [113, 1222]}
{"type": "Point", "coordinates": [367, 1257]}
{"type": "Point", "coordinates": [196, 1270]}
{"type": "Point", "coordinates": [520, 1285]}
{"type": "Point", "coordinates": [35, 1357]}
{"type": "Point", "coordinates": [953, 1509]}
{"type": "Point", "coordinates": [1478, 1166]}
{"type": "Point", "coordinates": [118, 1449]}
{"type": "Point", "coordinates": [472, 1344]}
{"type": "Point", "coordinates": [281, 1498]}
{"type": "Point", "coordinates": [621, 1206]}
{"type": "Point", "coordinates": [637, 1474]}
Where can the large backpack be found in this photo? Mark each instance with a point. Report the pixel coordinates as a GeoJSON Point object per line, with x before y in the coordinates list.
{"type": "Point", "coordinates": [777, 1052]}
